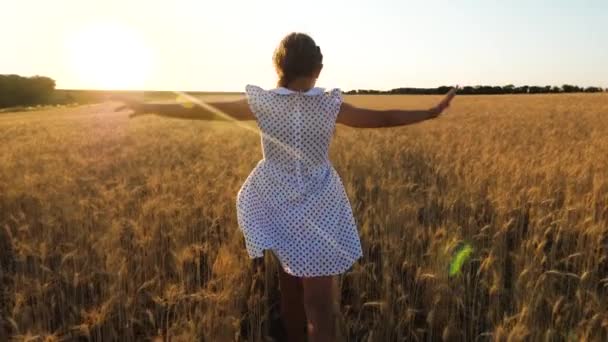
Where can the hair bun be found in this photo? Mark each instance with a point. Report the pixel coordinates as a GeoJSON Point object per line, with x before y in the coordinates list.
{"type": "Point", "coordinates": [297, 55]}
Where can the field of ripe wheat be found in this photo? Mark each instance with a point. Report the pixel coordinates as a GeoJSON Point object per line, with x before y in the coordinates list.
{"type": "Point", "coordinates": [125, 229]}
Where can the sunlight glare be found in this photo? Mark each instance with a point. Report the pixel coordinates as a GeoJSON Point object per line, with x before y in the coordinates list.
{"type": "Point", "coordinates": [110, 56]}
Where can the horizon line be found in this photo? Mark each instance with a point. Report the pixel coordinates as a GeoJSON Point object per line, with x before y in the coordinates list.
{"type": "Point", "coordinates": [605, 88]}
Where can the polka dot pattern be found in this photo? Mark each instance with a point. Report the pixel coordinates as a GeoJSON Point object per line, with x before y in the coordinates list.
{"type": "Point", "coordinates": [293, 202]}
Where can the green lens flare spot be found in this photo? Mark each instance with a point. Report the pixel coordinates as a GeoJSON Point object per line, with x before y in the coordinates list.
{"type": "Point", "coordinates": [460, 257]}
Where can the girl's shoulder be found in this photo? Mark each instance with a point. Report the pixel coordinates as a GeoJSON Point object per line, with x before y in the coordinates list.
{"type": "Point", "coordinates": [260, 99]}
{"type": "Point", "coordinates": [254, 90]}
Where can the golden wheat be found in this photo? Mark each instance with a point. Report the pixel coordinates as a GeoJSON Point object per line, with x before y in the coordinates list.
{"type": "Point", "coordinates": [118, 229]}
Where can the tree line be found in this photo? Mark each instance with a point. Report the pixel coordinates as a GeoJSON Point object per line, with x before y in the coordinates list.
{"type": "Point", "coordinates": [16, 90]}
{"type": "Point", "coordinates": [484, 90]}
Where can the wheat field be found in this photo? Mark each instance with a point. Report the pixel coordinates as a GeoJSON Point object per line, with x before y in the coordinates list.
{"type": "Point", "coordinates": [125, 229]}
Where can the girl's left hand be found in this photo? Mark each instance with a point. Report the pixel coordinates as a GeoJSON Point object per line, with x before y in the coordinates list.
{"type": "Point", "coordinates": [137, 107]}
{"type": "Point", "coordinates": [445, 103]}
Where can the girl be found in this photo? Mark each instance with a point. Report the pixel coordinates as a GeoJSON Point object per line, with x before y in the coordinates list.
{"type": "Point", "coordinates": [293, 203]}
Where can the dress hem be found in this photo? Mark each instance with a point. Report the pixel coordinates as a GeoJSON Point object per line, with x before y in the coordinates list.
{"type": "Point", "coordinates": [340, 271]}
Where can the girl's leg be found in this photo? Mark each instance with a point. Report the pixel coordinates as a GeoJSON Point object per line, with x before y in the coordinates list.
{"type": "Point", "coordinates": [292, 306]}
{"type": "Point", "coordinates": [320, 307]}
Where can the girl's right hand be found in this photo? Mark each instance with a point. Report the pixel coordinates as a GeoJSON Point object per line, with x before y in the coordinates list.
{"type": "Point", "coordinates": [445, 103]}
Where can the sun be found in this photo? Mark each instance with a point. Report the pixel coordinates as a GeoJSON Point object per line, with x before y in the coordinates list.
{"type": "Point", "coordinates": [109, 56]}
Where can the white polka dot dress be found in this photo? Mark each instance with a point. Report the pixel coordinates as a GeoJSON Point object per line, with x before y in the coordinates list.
{"type": "Point", "coordinates": [293, 202]}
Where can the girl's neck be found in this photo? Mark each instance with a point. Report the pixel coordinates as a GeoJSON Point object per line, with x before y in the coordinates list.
{"type": "Point", "coordinates": [302, 84]}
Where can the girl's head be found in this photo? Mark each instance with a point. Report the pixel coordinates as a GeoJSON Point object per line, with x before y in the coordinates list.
{"type": "Point", "coordinates": [297, 56]}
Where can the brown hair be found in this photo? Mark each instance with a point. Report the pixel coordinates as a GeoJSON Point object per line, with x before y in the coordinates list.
{"type": "Point", "coordinates": [297, 55]}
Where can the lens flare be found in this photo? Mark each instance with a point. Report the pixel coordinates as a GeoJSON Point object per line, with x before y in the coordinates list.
{"type": "Point", "coordinates": [184, 101]}
{"type": "Point", "coordinates": [460, 257]}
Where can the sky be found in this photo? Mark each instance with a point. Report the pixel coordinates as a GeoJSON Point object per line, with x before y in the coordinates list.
{"type": "Point", "coordinates": [381, 44]}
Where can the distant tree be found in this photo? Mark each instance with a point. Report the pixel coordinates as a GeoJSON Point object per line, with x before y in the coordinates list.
{"type": "Point", "coordinates": [536, 90]}
{"type": "Point", "coordinates": [567, 88]}
{"type": "Point", "coordinates": [521, 90]}
{"type": "Point", "coordinates": [16, 90]}
{"type": "Point", "coordinates": [41, 88]}
{"type": "Point", "coordinates": [443, 89]}
{"type": "Point", "coordinates": [468, 90]}
{"type": "Point", "coordinates": [593, 89]}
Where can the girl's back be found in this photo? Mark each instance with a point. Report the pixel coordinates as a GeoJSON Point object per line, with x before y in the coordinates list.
{"type": "Point", "coordinates": [296, 127]}
{"type": "Point", "coordinates": [293, 202]}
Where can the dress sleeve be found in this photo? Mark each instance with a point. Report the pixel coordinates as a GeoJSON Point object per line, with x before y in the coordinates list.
{"type": "Point", "coordinates": [256, 97]}
{"type": "Point", "coordinates": [335, 101]}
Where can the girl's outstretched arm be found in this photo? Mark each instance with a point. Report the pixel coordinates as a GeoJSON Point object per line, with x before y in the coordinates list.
{"type": "Point", "coordinates": [371, 118]}
{"type": "Point", "coordinates": [238, 109]}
